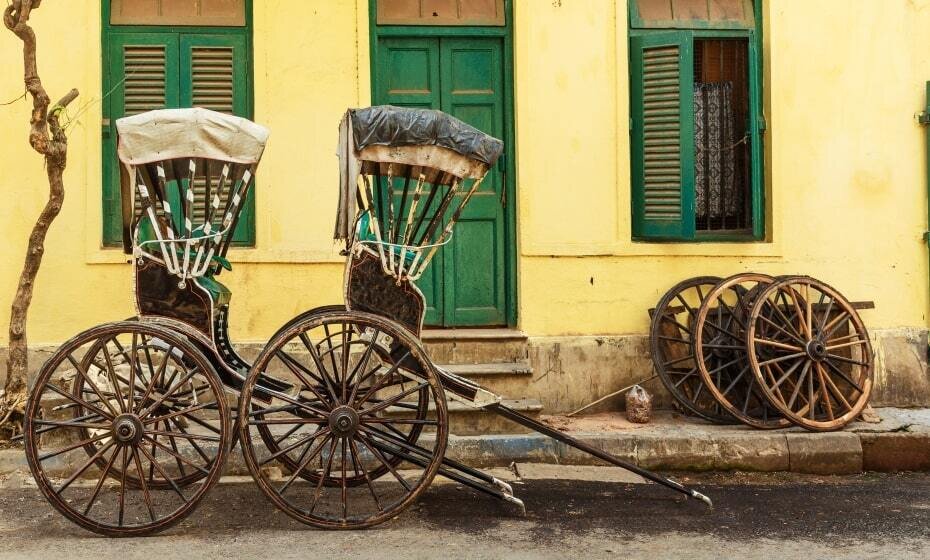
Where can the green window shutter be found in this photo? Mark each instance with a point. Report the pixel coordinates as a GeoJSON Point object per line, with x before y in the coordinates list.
{"type": "Point", "coordinates": [756, 136]}
{"type": "Point", "coordinates": [167, 70]}
{"type": "Point", "coordinates": [214, 75]}
{"type": "Point", "coordinates": [662, 94]}
{"type": "Point", "coordinates": [142, 69]}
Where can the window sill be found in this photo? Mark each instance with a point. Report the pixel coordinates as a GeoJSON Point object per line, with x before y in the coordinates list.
{"type": "Point", "coordinates": [655, 249]}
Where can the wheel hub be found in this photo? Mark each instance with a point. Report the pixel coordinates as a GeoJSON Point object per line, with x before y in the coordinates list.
{"type": "Point", "coordinates": [343, 421]}
{"type": "Point", "coordinates": [127, 429]}
{"type": "Point", "coordinates": [817, 350]}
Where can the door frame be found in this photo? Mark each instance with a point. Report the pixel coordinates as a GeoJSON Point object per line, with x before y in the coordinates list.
{"type": "Point", "coordinates": [505, 32]}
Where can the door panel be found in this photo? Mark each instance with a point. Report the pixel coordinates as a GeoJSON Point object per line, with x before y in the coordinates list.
{"type": "Point", "coordinates": [474, 270]}
{"type": "Point", "coordinates": [465, 283]}
{"type": "Point", "coordinates": [410, 71]}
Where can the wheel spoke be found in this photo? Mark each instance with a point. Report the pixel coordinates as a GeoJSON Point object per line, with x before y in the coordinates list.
{"type": "Point", "coordinates": [303, 461]}
{"type": "Point", "coordinates": [146, 496]}
{"type": "Point", "coordinates": [111, 373]}
{"type": "Point", "coordinates": [357, 459]}
{"type": "Point", "coordinates": [193, 443]}
{"type": "Point", "coordinates": [299, 370]}
{"type": "Point", "coordinates": [797, 388]}
{"type": "Point", "coordinates": [186, 436]}
{"type": "Point", "coordinates": [168, 479]}
{"type": "Point", "coordinates": [386, 403]}
{"type": "Point", "coordinates": [823, 392]}
{"type": "Point", "coordinates": [172, 415]}
{"type": "Point", "coordinates": [293, 446]}
{"type": "Point", "coordinates": [378, 455]}
{"type": "Point", "coordinates": [72, 447]}
{"type": "Point", "coordinates": [178, 456]}
{"type": "Point", "coordinates": [85, 466]}
{"type": "Point", "coordinates": [78, 400]}
{"type": "Point", "coordinates": [155, 377]}
{"type": "Point", "coordinates": [103, 476]}
{"type": "Point", "coordinates": [842, 374]}
{"type": "Point", "coordinates": [122, 485]}
{"type": "Point", "coordinates": [318, 362]}
{"type": "Point", "coordinates": [83, 373]}
{"type": "Point", "coordinates": [171, 390]}
{"type": "Point", "coordinates": [324, 476]}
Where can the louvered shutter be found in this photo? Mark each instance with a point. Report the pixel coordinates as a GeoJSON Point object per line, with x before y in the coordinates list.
{"type": "Point", "coordinates": [215, 76]}
{"type": "Point", "coordinates": [662, 109]}
{"type": "Point", "coordinates": [143, 69]}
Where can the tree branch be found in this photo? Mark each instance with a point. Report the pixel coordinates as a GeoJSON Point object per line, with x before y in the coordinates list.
{"type": "Point", "coordinates": [47, 138]}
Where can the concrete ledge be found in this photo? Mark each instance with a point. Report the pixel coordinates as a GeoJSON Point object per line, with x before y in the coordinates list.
{"type": "Point", "coordinates": [899, 451]}
{"type": "Point", "coordinates": [833, 453]}
{"type": "Point", "coordinates": [901, 442]}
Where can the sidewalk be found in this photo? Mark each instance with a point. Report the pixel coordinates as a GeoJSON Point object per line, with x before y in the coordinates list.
{"type": "Point", "coordinates": [901, 442]}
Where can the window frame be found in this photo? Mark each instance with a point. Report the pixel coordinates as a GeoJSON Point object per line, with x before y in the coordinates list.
{"type": "Point", "coordinates": [111, 228]}
{"type": "Point", "coordinates": [757, 131]}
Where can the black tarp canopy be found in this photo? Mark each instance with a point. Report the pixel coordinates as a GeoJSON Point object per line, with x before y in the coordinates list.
{"type": "Point", "coordinates": [387, 125]}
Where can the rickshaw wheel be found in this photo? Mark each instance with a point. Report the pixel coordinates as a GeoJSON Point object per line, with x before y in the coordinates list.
{"type": "Point", "coordinates": [672, 348]}
{"type": "Point", "coordinates": [349, 418]}
{"type": "Point", "coordinates": [272, 442]}
{"type": "Point", "coordinates": [721, 353]}
{"type": "Point", "coordinates": [811, 353]}
{"type": "Point", "coordinates": [124, 489]}
{"type": "Point", "coordinates": [148, 350]}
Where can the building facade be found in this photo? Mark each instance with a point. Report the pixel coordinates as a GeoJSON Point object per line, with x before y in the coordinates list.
{"type": "Point", "coordinates": [582, 227]}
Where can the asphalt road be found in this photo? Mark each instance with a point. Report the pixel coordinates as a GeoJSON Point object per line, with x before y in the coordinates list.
{"type": "Point", "coordinates": [756, 516]}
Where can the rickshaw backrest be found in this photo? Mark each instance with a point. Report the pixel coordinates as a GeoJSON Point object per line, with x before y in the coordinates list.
{"type": "Point", "coordinates": [186, 175]}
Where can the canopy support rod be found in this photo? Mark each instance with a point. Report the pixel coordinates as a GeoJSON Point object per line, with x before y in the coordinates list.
{"type": "Point", "coordinates": [528, 422]}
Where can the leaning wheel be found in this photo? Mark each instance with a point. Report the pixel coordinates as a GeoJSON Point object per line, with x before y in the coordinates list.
{"type": "Point", "coordinates": [670, 331]}
{"type": "Point", "coordinates": [811, 353]}
{"type": "Point", "coordinates": [721, 355]}
{"type": "Point", "coordinates": [354, 429]}
{"type": "Point", "coordinates": [127, 428]}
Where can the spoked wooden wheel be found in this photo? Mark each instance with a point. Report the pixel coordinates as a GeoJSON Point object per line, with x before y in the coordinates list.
{"type": "Point", "coordinates": [722, 357]}
{"type": "Point", "coordinates": [127, 428]}
{"type": "Point", "coordinates": [362, 431]}
{"type": "Point", "coordinates": [672, 325]}
{"type": "Point", "coordinates": [811, 353]}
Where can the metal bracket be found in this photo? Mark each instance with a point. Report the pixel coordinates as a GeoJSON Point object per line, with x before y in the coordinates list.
{"type": "Point", "coordinates": [923, 118]}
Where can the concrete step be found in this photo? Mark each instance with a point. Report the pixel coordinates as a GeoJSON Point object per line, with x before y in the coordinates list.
{"type": "Point", "coordinates": [505, 379]}
{"type": "Point", "coordinates": [465, 420]}
{"type": "Point", "coordinates": [475, 346]}
{"type": "Point", "coordinates": [480, 371]}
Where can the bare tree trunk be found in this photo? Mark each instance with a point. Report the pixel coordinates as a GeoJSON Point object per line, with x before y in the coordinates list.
{"type": "Point", "coordinates": [47, 138]}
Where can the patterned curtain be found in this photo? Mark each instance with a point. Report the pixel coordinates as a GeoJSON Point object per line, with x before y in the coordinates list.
{"type": "Point", "coordinates": [715, 164]}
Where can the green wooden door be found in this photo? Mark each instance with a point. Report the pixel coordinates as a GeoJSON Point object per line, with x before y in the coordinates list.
{"type": "Point", "coordinates": [466, 283]}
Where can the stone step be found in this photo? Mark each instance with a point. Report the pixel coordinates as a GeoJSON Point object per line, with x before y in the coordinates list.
{"type": "Point", "coordinates": [465, 420]}
{"type": "Point", "coordinates": [504, 379]}
{"type": "Point", "coordinates": [480, 371]}
{"type": "Point", "coordinates": [475, 346]}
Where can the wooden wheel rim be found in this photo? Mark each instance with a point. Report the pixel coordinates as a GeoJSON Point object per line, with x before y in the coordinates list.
{"type": "Point", "coordinates": [826, 374]}
{"type": "Point", "coordinates": [671, 346]}
{"type": "Point", "coordinates": [362, 437]}
{"type": "Point", "coordinates": [131, 452]}
{"type": "Point", "coordinates": [742, 382]}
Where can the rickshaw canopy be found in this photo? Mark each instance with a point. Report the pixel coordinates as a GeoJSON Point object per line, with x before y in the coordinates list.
{"type": "Point", "coordinates": [184, 133]}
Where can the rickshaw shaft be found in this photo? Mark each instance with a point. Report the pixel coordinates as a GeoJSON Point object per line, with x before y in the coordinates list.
{"type": "Point", "coordinates": [524, 420]}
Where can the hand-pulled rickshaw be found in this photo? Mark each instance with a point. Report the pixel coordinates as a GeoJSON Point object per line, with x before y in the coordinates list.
{"type": "Point", "coordinates": [342, 418]}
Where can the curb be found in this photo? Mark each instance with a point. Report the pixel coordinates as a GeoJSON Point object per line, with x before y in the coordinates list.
{"type": "Point", "coordinates": [835, 453]}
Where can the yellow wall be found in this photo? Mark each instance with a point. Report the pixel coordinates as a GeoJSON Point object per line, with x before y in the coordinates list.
{"type": "Point", "coordinates": [845, 164]}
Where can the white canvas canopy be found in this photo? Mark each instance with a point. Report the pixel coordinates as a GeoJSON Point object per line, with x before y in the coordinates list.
{"type": "Point", "coordinates": [183, 133]}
